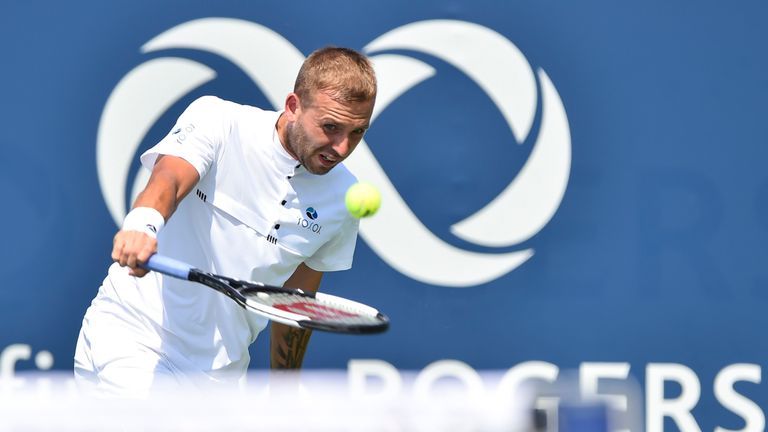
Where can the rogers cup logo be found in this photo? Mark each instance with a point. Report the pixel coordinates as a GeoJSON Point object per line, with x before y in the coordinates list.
{"type": "Point", "coordinates": [486, 57]}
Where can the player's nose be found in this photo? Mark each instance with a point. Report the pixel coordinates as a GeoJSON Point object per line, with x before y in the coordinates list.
{"type": "Point", "coordinates": [343, 147]}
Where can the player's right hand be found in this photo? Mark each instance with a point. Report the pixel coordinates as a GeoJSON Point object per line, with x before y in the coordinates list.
{"type": "Point", "coordinates": [133, 248]}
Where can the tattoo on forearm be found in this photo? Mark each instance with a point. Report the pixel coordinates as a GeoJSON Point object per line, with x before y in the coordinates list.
{"type": "Point", "coordinates": [290, 349]}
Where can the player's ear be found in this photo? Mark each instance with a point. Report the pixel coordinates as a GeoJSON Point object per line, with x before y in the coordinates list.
{"type": "Point", "coordinates": [292, 106]}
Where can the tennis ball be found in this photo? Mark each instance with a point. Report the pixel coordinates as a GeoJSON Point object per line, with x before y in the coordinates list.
{"type": "Point", "coordinates": [362, 199]}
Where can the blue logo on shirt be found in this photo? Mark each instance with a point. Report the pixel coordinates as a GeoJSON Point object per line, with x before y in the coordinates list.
{"type": "Point", "coordinates": [311, 213]}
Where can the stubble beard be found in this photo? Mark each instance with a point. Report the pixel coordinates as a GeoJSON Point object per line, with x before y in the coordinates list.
{"type": "Point", "coordinates": [299, 144]}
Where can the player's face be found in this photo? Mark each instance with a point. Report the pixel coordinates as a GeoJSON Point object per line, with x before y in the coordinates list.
{"type": "Point", "coordinates": [325, 132]}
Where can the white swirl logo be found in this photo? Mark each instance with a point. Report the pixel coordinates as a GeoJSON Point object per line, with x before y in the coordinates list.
{"type": "Point", "coordinates": [485, 56]}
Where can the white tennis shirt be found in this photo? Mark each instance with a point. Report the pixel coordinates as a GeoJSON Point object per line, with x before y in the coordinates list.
{"type": "Point", "coordinates": [255, 214]}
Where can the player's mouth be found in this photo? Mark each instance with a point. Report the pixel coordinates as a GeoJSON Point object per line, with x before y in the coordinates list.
{"type": "Point", "coordinates": [327, 160]}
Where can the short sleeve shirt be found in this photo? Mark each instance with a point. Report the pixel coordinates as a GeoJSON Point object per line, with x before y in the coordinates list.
{"type": "Point", "coordinates": [255, 214]}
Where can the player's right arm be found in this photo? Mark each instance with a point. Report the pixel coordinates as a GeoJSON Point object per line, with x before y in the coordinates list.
{"type": "Point", "coordinates": [171, 180]}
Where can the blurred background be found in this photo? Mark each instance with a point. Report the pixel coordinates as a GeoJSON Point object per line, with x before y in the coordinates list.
{"type": "Point", "coordinates": [567, 185]}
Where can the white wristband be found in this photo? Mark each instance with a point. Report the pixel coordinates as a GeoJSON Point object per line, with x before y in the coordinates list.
{"type": "Point", "coordinates": [144, 219]}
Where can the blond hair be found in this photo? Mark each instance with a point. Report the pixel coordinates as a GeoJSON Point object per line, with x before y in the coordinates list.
{"type": "Point", "coordinates": [342, 73]}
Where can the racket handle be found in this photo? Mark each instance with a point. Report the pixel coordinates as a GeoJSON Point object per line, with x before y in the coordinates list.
{"type": "Point", "coordinates": [169, 266]}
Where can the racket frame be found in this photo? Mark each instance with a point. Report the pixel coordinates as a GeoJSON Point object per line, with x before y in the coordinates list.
{"type": "Point", "coordinates": [239, 291]}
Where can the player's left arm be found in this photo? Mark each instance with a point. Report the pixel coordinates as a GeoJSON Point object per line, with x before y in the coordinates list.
{"type": "Point", "coordinates": [288, 344]}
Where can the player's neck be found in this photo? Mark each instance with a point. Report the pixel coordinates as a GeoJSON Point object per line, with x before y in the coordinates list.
{"type": "Point", "coordinates": [282, 134]}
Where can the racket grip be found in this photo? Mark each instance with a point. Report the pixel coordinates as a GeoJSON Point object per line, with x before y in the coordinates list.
{"type": "Point", "coordinates": [169, 266]}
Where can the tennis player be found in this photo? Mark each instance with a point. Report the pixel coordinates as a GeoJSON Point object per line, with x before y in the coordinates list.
{"type": "Point", "coordinates": [255, 195]}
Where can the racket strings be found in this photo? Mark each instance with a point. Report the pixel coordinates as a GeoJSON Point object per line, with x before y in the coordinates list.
{"type": "Point", "coordinates": [315, 309]}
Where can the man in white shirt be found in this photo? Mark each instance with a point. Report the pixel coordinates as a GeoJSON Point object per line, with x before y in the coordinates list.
{"type": "Point", "coordinates": [267, 205]}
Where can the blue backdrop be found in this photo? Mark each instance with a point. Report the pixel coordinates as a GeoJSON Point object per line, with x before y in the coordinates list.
{"type": "Point", "coordinates": [648, 245]}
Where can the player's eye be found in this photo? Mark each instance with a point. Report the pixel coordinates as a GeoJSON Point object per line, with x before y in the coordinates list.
{"type": "Point", "coordinates": [358, 131]}
{"type": "Point", "coordinates": [330, 127]}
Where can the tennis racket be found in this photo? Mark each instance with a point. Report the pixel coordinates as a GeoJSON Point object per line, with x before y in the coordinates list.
{"type": "Point", "coordinates": [293, 307]}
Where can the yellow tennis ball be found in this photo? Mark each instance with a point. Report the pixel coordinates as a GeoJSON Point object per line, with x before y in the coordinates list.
{"type": "Point", "coordinates": [362, 199]}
